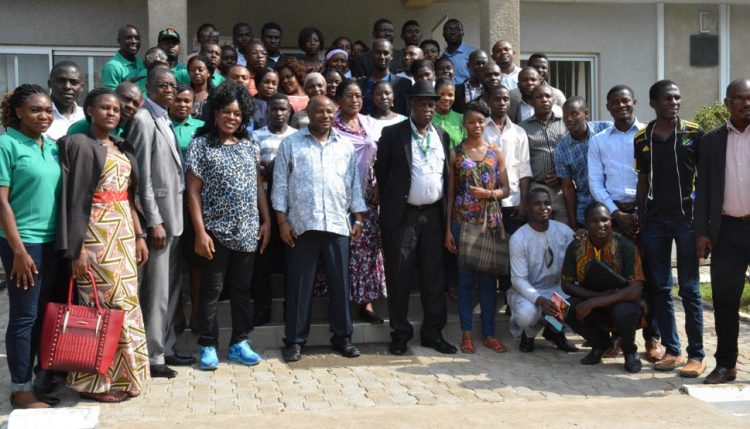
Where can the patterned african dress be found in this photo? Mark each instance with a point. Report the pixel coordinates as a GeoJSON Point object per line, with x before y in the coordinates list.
{"type": "Point", "coordinates": [620, 254]}
{"type": "Point", "coordinates": [485, 174]}
{"type": "Point", "coordinates": [110, 243]}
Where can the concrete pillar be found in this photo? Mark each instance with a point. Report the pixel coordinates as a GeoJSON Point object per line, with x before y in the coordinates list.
{"type": "Point", "coordinates": [499, 20]}
{"type": "Point", "coordinates": [168, 13]}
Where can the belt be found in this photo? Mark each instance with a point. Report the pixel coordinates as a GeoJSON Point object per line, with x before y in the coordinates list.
{"type": "Point", "coordinates": [110, 196]}
{"type": "Point", "coordinates": [743, 219]}
{"type": "Point", "coordinates": [422, 207]}
{"type": "Point", "coordinates": [628, 208]}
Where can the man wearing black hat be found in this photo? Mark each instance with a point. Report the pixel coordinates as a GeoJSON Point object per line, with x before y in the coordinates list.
{"type": "Point", "coordinates": [413, 177]}
{"type": "Point", "coordinates": [169, 42]}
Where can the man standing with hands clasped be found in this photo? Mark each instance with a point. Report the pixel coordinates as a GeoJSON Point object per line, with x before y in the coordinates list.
{"type": "Point", "coordinates": [315, 187]}
{"type": "Point", "coordinates": [413, 176]}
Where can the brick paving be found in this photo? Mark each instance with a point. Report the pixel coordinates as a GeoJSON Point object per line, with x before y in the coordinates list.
{"type": "Point", "coordinates": [324, 382]}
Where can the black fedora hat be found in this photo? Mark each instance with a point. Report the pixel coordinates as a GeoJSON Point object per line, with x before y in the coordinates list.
{"type": "Point", "coordinates": [423, 88]}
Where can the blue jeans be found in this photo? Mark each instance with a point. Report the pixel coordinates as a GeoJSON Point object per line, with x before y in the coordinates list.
{"type": "Point", "coordinates": [658, 234]}
{"type": "Point", "coordinates": [27, 311]}
{"type": "Point", "coordinates": [487, 284]}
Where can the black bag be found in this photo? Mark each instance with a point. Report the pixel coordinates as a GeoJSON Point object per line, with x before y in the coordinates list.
{"type": "Point", "coordinates": [601, 277]}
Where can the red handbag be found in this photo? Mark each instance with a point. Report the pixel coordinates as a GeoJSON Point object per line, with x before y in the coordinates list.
{"type": "Point", "coordinates": [80, 338]}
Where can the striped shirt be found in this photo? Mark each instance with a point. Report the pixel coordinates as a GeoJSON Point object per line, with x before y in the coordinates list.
{"type": "Point", "coordinates": [543, 139]}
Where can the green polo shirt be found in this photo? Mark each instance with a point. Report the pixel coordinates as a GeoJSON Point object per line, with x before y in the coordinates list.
{"type": "Point", "coordinates": [181, 74]}
{"type": "Point", "coordinates": [119, 69]}
{"type": "Point", "coordinates": [33, 176]}
{"type": "Point", "coordinates": [82, 127]}
{"type": "Point", "coordinates": [217, 79]}
{"type": "Point", "coordinates": [185, 131]}
{"type": "Point", "coordinates": [452, 123]}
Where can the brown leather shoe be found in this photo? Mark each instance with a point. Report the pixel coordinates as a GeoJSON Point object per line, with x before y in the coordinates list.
{"type": "Point", "coordinates": [721, 375]}
{"type": "Point", "coordinates": [693, 368]}
{"type": "Point", "coordinates": [26, 400]}
{"type": "Point", "coordinates": [614, 350]}
{"type": "Point", "coordinates": [670, 362]}
{"type": "Point", "coordinates": [654, 350]}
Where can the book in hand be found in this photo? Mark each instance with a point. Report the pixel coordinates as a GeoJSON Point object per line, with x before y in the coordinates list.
{"type": "Point", "coordinates": [562, 305]}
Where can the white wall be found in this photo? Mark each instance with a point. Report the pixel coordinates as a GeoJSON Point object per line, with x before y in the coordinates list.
{"type": "Point", "coordinates": [623, 37]}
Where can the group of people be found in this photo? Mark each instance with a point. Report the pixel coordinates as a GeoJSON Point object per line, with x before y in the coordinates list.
{"type": "Point", "coordinates": [358, 176]}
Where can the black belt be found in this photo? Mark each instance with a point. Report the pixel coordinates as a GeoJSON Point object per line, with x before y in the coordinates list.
{"type": "Point", "coordinates": [743, 219]}
{"type": "Point", "coordinates": [422, 207]}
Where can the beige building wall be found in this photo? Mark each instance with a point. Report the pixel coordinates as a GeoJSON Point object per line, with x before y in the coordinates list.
{"type": "Point", "coordinates": [740, 40]}
{"type": "Point", "coordinates": [699, 85]}
{"type": "Point", "coordinates": [333, 17]}
{"type": "Point", "coordinates": [622, 36]}
{"type": "Point", "coordinates": [69, 23]}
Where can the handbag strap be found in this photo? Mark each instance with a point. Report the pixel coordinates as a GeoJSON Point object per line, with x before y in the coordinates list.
{"type": "Point", "coordinates": [93, 285]}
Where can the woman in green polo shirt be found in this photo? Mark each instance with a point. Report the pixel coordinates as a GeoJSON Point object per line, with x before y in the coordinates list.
{"type": "Point", "coordinates": [29, 196]}
{"type": "Point", "coordinates": [447, 119]}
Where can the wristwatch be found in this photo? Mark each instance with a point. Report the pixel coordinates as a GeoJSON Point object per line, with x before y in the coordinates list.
{"type": "Point", "coordinates": [142, 235]}
{"type": "Point", "coordinates": [358, 222]}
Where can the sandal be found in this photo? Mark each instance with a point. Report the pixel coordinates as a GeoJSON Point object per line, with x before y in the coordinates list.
{"type": "Point", "coordinates": [467, 345]}
{"type": "Point", "coordinates": [133, 393]}
{"type": "Point", "coordinates": [108, 397]}
{"type": "Point", "coordinates": [26, 400]}
{"type": "Point", "coordinates": [495, 344]}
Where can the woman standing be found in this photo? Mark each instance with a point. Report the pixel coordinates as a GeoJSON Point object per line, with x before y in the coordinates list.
{"type": "Point", "coordinates": [267, 83]}
{"type": "Point", "coordinates": [310, 41]}
{"type": "Point", "coordinates": [481, 181]}
{"type": "Point", "coordinates": [99, 232]}
{"type": "Point", "coordinates": [291, 76]}
{"type": "Point", "coordinates": [338, 59]}
{"type": "Point", "coordinates": [366, 272]}
{"type": "Point", "coordinates": [29, 195]}
{"type": "Point", "coordinates": [200, 71]}
{"type": "Point", "coordinates": [225, 198]}
{"type": "Point", "coordinates": [445, 118]}
{"type": "Point", "coordinates": [382, 103]}
{"type": "Point", "coordinates": [333, 80]}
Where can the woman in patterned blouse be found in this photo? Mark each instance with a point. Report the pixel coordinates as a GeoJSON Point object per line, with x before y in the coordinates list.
{"type": "Point", "coordinates": [481, 181]}
{"type": "Point", "coordinates": [227, 203]}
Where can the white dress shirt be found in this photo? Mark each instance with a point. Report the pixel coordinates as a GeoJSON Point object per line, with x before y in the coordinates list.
{"type": "Point", "coordinates": [612, 175]}
{"type": "Point", "coordinates": [510, 80]}
{"type": "Point", "coordinates": [60, 123]}
{"type": "Point", "coordinates": [426, 169]}
{"type": "Point", "coordinates": [514, 144]}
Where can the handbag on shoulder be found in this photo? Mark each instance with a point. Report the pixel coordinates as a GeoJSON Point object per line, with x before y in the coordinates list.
{"type": "Point", "coordinates": [80, 338]}
{"type": "Point", "coordinates": [484, 249]}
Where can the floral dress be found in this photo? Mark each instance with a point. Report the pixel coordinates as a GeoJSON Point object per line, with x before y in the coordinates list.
{"type": "Point", "coordinates": [110, 243]}
{"type": "Point", "coordinates": [485, 174]}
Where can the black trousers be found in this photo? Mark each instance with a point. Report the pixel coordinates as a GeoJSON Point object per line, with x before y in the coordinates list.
{"type": "Point", "coordinates": [301, 262]}
{"type": "Point", "coordinates": [623, 317]}
{"type": "Point", "coordinates": [414, 251]}
{"type": "Point", "coordinates": [729, 261]}
{"type": "Point", "coordinates": [231, 269]}
{"type": "Point", "coordinates": [266, 263]}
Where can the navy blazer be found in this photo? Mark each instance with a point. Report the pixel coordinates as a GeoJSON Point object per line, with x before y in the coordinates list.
{"type": "Point", "coordinates": [393, 171]}
{"type": "Point", "coordinates": [709, 190]}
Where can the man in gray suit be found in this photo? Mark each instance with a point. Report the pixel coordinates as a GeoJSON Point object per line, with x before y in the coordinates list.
{"type": "Point", "coordinates": [161, 182]}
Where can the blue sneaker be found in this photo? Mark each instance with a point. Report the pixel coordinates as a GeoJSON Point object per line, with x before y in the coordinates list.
{"type": "Point", "coordinates": [209, 359]}
{"type": "Point", "coordinates": [242, 353]}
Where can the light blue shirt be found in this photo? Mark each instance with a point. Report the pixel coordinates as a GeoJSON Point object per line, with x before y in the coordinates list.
{"type": "Point", "coordinates": [612, 175]}
{"type": "Point", "coordinates": [315, 183]}
{"type": "Point", "coordinates": [460, 58]}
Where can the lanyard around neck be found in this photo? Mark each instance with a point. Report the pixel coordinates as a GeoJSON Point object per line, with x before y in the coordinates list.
{"type": "Point", "coordinates": [423, 143]}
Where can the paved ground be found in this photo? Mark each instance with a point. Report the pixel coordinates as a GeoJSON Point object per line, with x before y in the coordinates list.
{"type": "Point", "coordinates": [417, 389]}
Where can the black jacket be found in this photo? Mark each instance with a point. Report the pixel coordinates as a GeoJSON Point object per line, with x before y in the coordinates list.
{"type": "Point", "coordinates": [82, 161]}
{"type": "Point", "coordinates": [709, 191]}
{"type": "Point", "coordinates": [393, 171]}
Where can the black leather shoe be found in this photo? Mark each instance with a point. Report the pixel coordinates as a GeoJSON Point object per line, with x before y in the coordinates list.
{"type": "Point", "coordinates": [559, 340]}
{"type": "Point", "coordinates": [162, 371]}
{"type": "Point", "coordinates": [527, 344]}
{"type": "Point", "coordinates": [178, 360]}
{"type": "Point", "coordinates": [721, 375]}
{"type": "Point", "coordinates": [397, 347]}
{"type": "Point", "coordinates": [593, 357]}
{"type": "Point", "coordinates": [293, 353]}
{"type": "Point", "coordinates": [346, 348]}
{"type": "Point", "coordinates": [632, 362]}
{"type": "Point", "coordinates": [440, 345]}
{"type": "Point", "coordinates": [44, 382]}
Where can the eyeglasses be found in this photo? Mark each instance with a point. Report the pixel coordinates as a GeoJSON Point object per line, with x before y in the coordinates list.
{"type": "Point", "coordinates": [166, 85]}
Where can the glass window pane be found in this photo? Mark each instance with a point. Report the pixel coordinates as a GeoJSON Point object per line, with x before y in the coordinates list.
{"type": "Point", "coordinates": [32, 68]}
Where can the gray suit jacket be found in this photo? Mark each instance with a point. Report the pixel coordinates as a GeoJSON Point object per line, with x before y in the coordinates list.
{"type": "Point", "coordinates": [161, 178]}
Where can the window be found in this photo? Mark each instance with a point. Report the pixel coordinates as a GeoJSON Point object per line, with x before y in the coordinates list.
{"type": "Point", "coordinates": [32, 65]}
{"type": "Point", "coordinates": [574, 75]}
